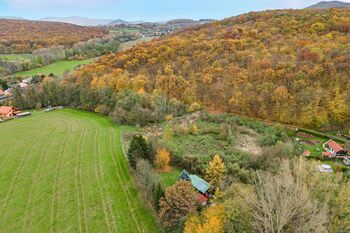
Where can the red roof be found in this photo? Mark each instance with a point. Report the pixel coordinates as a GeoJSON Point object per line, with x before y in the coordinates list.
{"type": "Point", "coordinates": [327, 154]}
{"type": "Point", "coordinates": [202, 198]}
{"type": "Point", "coordinates": [335, 146]}
{"type": "Point", "coordinates": [307, 153]}
{"type": "Point", "coordinates": [5, 110]}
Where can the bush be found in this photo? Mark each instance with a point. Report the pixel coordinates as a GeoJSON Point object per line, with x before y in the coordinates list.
{"type": "Point", "coordinates": [169, 117]}
{"type": "Point", "coordinates": [139, 149]}
{"type": "Point", "coordinates": [150, 181]}
{"type": "Point", "coordinates": [191, 164]}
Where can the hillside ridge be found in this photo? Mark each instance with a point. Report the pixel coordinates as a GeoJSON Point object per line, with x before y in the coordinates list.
{"type": "Point", "coordinates": [282, 65]}
{"type": "Point", "coordinates": [329, 4]}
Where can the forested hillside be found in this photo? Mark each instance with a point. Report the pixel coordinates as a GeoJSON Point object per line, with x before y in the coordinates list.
{"type": "Point", "coordinates": [290, 66]}
{"type": "Point", "coordinates": [23, 36]}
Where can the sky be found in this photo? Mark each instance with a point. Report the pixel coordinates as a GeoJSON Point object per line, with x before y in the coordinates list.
{"type": "Point", "coordinates": [147, 10]}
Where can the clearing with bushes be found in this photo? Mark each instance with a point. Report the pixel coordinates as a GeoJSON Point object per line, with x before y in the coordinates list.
{"type": "Point", "coordinates": [65, 171]}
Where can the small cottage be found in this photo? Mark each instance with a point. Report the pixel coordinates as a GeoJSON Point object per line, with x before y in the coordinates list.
{"type": "Point", "coordinates": [333, 149]}
{"type": "Point", "coordinates": [199, 184]}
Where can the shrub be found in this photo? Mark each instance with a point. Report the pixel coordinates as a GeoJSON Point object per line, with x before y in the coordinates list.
{"type": "Point", "coordinates": [193, 129]}
{"type": "Point", "coordinates": [169, 117]}
{"type": "Point", "coordinates": [194, 107]}
{"type": "Point", "coordinates": [139, 149]}
{"type": "Point", "coordinates": [150, 181]}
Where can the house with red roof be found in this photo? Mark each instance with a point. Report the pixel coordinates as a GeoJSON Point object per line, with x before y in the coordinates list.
{"type": "Point", "coordinates": [6, 111]}
{"type": "Point", "coordinates": [333, 149]}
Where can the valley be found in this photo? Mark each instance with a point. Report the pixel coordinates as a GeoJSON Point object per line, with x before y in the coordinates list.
{"type": "Point", "coordinates": [123, 120]}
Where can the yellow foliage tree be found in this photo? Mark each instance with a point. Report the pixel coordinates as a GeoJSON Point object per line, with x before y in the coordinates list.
{"type": "Point", "coordinates": [210, 220]}
{"type": "Point", "coordinates": [193, 129]}
{"type": "Point", "coordinates": [215, 171]}
{"type": "Point", "coordinates": [162, 159]}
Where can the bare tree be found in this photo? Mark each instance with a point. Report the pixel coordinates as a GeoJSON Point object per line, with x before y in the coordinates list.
{"type": "Point", "coordinates": [284, 202]}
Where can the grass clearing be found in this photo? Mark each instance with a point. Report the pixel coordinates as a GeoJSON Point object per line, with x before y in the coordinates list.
{"type": "Point", "coordinates": [57, 68]}
{"type": "Point", "coordinates": [65, 171]}
{"type": "Point", "coordinates": [15, 57]}
{"type": "Point", "coordinates": [169, 178]}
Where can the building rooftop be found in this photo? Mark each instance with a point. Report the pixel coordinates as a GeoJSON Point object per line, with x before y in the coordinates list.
{"type": "Point", "coordinates": [335, 146]}
{"type": "Point", "coordinates": [197, 182]}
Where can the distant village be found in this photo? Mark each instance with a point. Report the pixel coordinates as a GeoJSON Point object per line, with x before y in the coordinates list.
{"type": "Point", "coordinates": [149, 29]}
{"type": "Point", "coordinates": [25, 83]}
{"type": "Point", "coordinates": [11, 112]}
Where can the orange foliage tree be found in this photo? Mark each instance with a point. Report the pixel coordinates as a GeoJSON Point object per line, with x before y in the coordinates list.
{"type": "Point", "coordinates": [210, 220]}
{"type": "Point", "coordinates": [162, 159]}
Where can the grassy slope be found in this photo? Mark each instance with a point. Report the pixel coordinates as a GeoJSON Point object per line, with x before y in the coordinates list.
{"type": "Point", "coordinates": [57, 68]}
{"type": "Point", "coordinates": [64, 172]}
{"type": "Point", "coordinates": [14, 57]}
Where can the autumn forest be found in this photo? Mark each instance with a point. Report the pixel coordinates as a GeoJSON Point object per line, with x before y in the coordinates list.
{"type": "Point", "coordinates": [22, 36]}
{"type": "Point", "coordinates": [289, 66]}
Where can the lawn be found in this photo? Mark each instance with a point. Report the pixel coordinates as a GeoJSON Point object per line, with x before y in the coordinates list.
{"type": "Point", "coordinates": [169, 178]}
{"type": "Point", "coordinates": [65, 171]}
{"type": "Point", "coordinates": [57, 68]}
{"type": "Point", "coordinates": [315, 146]}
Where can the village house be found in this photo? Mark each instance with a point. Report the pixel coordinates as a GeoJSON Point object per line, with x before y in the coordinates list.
{"type": "Point", "coordinates": [199, 184]}
{"type": "Point", "coordinates": [7, 112]}
{"type": "Point", "coordinates": [333, 149]}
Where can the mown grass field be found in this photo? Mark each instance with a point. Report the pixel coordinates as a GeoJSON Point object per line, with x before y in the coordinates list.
{"type": "Point", "coordinates": [57, 68]}
{"type": "Point", "coordinates": [65, 171]}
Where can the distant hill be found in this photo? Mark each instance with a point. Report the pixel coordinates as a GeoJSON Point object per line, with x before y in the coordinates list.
{"type": "Point", "coordinates": [176, 21]}
{"type": "Point", "coordinates": [330, 4]}
{"type": "Point", "coordinates": [120, 22]}
{"type": "Point", "coordinates": [23, 36]}
{"type": "Point", "coordinates": [82, 21]}
{"type": "Point", "coordinates": [11, 17]}
{"type": "Point", "coordinates": [169, 22]}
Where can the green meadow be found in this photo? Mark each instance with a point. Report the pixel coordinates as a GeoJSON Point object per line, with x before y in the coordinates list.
{"type": "Point", "coordinates": [57, 68]}
{"type": "Point", "coordinates": [65, 171]}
